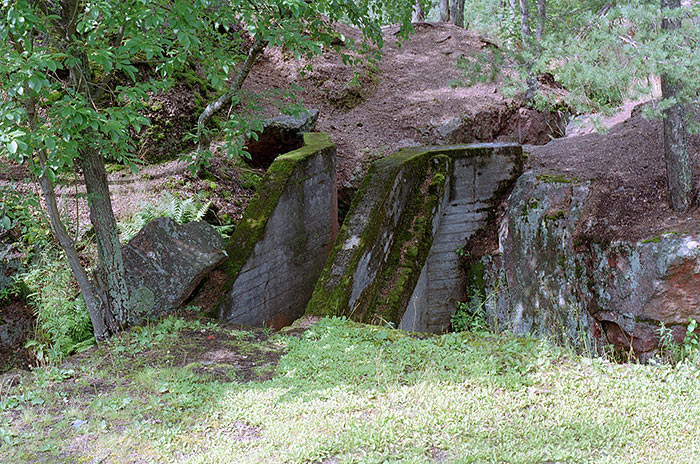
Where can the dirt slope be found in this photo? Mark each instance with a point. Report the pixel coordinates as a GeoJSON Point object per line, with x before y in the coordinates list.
{"type": "Point", "coordinates": [628, 174]}
{"type": "Point", "coordinates": [401, 103]}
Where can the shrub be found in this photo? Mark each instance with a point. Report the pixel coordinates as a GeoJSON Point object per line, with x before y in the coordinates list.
{"type": "Point", "coordinates": [181, 210]}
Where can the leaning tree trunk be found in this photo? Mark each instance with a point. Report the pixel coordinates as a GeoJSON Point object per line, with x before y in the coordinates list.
{"type": "Point", "coordinates": [444, 10]}
{"type": "Point", "coordinates": [457, 12]}
{"type": "Point", "coordinates": [110, 275]}
{"type": "Point", "coordinates": [235, 87]}
{"type": "Point", "coordinates": [680, 181]}
{"type": "Point", "coordinates": [93, 304]}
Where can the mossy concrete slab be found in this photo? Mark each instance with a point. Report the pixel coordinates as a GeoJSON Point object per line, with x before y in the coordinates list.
{"type": "Point", "coordinates": [287, 231]}
{"type": "Point", "coordinates": [379, 265]}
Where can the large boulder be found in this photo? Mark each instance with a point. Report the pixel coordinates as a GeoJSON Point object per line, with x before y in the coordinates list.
{"type": "Point", "coordinates": [504, 123]}
{"type": "Point", "coordinates": [166, 261]}
{"type": "Point", "coordinates": [280, 134]}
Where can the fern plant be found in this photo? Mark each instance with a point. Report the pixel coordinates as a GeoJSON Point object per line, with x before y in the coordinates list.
{"type": "Point", "coordinates": [181, 210]}
{"type": "Point", "coordinates": [63, 325]}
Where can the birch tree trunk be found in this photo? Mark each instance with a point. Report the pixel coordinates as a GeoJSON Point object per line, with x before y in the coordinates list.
{"type": "Point", "coordinates": [678, 173]}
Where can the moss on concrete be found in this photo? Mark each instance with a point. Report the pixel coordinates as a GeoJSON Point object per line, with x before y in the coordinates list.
{"type": "Point", "coordinates": [251, 228]}
{"type": "Point", "coordinates": [421, 167]}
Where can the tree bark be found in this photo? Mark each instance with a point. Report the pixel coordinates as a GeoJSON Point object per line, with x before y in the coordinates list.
{"type": "Point", "coordinates": [235, 87]}
{"type": "Point", "coordinates": [526, 36]}
{"type": "Point", "coordinates": [444, 10]}
{"type": "Point", "coordinates": [524, 23]}
{"type": "Point", "coordinates": [457, 12]}
{"type": "Point", "coordinates": [418, 14]}
{"type": "Point", "coordinates": [678, 172]}
{"type": "Point", "coordinates": [110, 275]}
{"type": "Point", "coordinates": [541, 19]}
{"type": "Point", "coordinates": [92, 302]}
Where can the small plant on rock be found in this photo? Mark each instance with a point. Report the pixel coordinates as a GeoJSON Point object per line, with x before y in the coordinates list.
{"type": "Point", "coordinates": [675, 353]}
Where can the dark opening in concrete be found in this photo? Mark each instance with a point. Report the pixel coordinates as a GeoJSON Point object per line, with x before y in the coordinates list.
{"type": "Point", "coordinates": [272, 142]}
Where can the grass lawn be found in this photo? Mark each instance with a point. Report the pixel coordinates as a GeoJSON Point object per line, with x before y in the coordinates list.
{"type": "Point", "coordinates": [194, 391]}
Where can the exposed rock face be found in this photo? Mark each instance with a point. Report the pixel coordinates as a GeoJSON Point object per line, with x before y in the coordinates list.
{"type": "Point", "coordinates": [506, 123]}
{"type": "Point", "coordinates": [281, 134]}
{"type": "Point", "coordinates": [548, 280]}
{"type": "Point", "coordinates": [166, 261]}
{"type": "Point", "coordinates": [10, 264]}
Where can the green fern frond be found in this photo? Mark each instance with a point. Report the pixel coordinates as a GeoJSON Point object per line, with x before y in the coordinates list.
{"type": "Point", "coordinates": [178, 209]}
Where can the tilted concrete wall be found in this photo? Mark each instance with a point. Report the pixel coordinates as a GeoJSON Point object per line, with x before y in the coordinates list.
{"type": "Point", "coordinates": [480, 174]}
{"type": "Point", "coordinates": [281, 244]}
{"type": "Point", "coordinates": [394, 259]}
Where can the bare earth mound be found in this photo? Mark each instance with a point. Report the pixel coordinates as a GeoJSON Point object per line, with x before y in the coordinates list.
{"type": "Point", "coordinates": [626, 167]}
{"type": "Point", "coordinates": [405, 100]}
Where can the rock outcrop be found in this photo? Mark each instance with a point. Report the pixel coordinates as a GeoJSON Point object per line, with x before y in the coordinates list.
{"type": "Point", "coordinates": [166, 261]}
{"type": "Point", "coordinates": [550, 279]}
{"type": "Point", "coordinates": [505, 123]}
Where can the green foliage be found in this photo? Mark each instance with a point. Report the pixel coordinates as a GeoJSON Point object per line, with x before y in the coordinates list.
{"type": "Point", "coordinates": [687, 351]}
{"type": "Point", "coordinates": [601, 52]}
{"type": "Point", "coordinates": [470, 315]}
{"type": "Point", "coordinates": [23, 212]}
{"type": "Point", "coordinates": [62, 322]}
{"type": "Point", "coordinates": [181, 210]}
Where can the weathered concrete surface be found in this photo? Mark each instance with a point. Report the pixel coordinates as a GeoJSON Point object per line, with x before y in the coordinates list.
{"type": "Point", "coordinates": [394, 259]}
{"type": "Point", "coordinates": [546, 280]}
{"type": "Point", "coordinates": [166, 261]}
{"type": "Point", "coordinates": [286, 233]}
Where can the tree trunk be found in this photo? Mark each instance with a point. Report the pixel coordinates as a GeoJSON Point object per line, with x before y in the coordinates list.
{"type": "Point", "coordinates": [110, 275]}
{"type": "Point", "coordinates": [541, 19]}
{"type": "Point", "coordinates": [526, 36]}
{"type": "Point", "coordinates": [444, 10]}
{"type": "Point", "coordinates": [680, 181]}
{"type": "Point", "coordinates": [92, 302]}
{"type": "Point", "coordinates": [418, 14]}
{"type": "Point", "coordinates": [457, 12]}
{"type": "Point", "coordinates": [235, 87]}
{"type": "Point", "coordinates": [524, 24]}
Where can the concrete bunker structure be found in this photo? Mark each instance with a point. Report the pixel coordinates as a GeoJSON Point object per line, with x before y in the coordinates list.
{"type": "Point", "coordinates": [395, 259]}
{"type": "Point", "coordinates": [278, 249]}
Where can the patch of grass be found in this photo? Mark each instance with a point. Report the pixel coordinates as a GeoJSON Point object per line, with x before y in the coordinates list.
{"type": "Point", "coordinates": [556, 178]}
{"type": "Point", "coordinates": [347, 393]}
